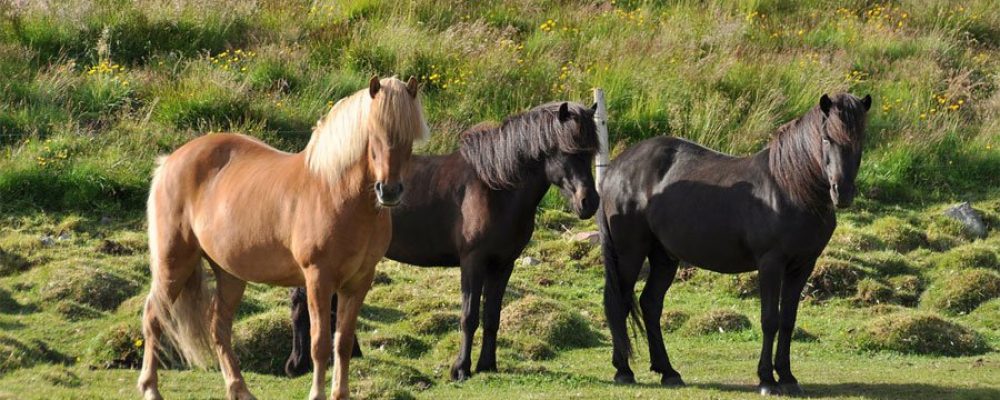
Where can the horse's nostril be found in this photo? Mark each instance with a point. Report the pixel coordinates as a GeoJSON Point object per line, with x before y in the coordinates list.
{"type": "Point", "coordinates": [378, 187]}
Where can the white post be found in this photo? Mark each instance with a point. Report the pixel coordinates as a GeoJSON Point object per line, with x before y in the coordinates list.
{"type": "Point", "coordinates": [601, 160]}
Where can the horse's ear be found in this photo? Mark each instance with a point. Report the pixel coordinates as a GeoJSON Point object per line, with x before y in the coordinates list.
{"type": "Point", "coordinates": [825, 104]}
{"type": "Point", "coordinates": [867, 102]}
{"type": "Point", "coordinates": [564, 112]}
{"type": "Point", "coordinates": [594, 107]}
{"type": "Point", "coordinates": [374, 85]}
{"type": "Point", "coordinates": [412, 86]}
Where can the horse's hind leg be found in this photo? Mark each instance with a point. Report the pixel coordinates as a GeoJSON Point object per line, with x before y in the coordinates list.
{"type": "Point", "coordinates": [173, 263]}
{"type": "Point", "coordinates": [662, 270]}
{"type": "Point", "coordinates": [228, 294]}
{"type": "Point", "coordinates": [791, 290]}
{"type": "Point", "coordinates": [631, 240]}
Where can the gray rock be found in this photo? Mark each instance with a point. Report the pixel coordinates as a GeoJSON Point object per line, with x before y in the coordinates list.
{"type": "Point", "coordinates": [587, 236]}
{"type": "Point", "coordinates": [529, 261]}
{"type": "Point", "coordinates": [47, 240]}
{"type": "Point", "coordinates": [969, 217]}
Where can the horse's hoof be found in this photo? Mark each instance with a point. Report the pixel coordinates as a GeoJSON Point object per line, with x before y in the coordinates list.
{"type": "Point", "coordinates": [674, 381]}
{"type": "Point", "coordinates": [486, 368]}
{"type": "Point", "coordinates": [791, 389]}
{"type": "Point", "coordinates": [769, 390]}
{"type": "Point", "coordinates": [460, 374]}
{"type": "Point", "coordinates": [151, 394]}
{"type": "Point", "coordinates": [624, 379]}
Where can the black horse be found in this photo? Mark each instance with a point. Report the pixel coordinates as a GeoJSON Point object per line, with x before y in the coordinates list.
{"type": "Point", "coordinates": [476, 208]}
{"type": "Point", "coordinates": [668, 200]}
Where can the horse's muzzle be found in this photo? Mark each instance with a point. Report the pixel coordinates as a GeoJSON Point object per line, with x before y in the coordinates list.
{"type": "Point", "coordinates": [388, 194]}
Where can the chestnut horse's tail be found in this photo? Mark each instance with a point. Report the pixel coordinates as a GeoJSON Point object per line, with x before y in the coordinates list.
{"type": "Point", "coordinates": [618, 306]}
{"type": "Point", "coordinates": [184, 319]}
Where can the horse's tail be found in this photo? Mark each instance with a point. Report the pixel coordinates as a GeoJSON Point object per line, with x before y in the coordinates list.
{"type": "Point", "coordinates": [617, 304]}
{"type": "Point", "coordinates": [184, 321]}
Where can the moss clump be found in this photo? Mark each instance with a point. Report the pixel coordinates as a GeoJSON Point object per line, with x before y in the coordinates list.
{"type": "Point", "coordinates": [119, 346]}
{"type": "Point", "coordinates": [672, 320]}
{"type": "Point", "coordinates": [906, 289]}
{"type": "Point", "coordinates": [986, 316]}
{"type": "Point", "coordinates": [435, 323]}
{"type": "Point", "coordinates": [12, 263]}
{"type": "Point", "coordinates": [744, 285]}
{"type": "Point", "coordinates": [855, 240]}
{"type": "Point", "coordinates": [16, 353]}
{"type": "Point", "coordinates": [380, 378]}
{"type": "Point", "coordinates": [95, 287]}
{"type": "Point", "coordinates": [974, 255]}
{"type": "Point", "coordinates": [897, 234]}
{"type": "Point", "coordinates": [74, 311]}
{"type": "Point", "coordinates": [962, 291]}
{"type": "Point", "coordinates": [717, 321]}
{"type": "Point", "coordinates": [885, 263]}
{"type": "Point", "coordinates": [920, 333]}
{"type": "Point", "coordinates": [398, 345]}
{"type": "Point", "coordinates": [263, 342]}
{"type": "Point", "coordinates": [871, 291]}
{"type": "Point", "coordinates": [549, 321]}
{"type": "Point", "coordinates": [556, 220]}
{"type": "Point", "coordinates": [832, 278]}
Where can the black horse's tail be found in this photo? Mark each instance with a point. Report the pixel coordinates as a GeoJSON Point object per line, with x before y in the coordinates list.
{"type": "Point", "coordinates": [617, 304]}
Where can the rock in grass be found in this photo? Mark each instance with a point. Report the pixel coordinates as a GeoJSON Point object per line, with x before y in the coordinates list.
{"type": "Point", "coordinates": [963, 290]}
{"type": "Point", "coordinates": [263, 342]}
{"type": "Point", "coordinates": [973, 255]}
{"type": "Point", "coordinates": [897, 234]}
{"type": "Point", "coordinates": [971, 220]}
{"type": "Point", "coordinates": [832, 278]}
{"type": "Point", "coordinates": [400, 345]}
{"type": "Point", "coordinates": [381, 378]}
{"type": "Point", "coordinates": [919, 333]}
{"type": "Point", "coordinates": [717, 321]}
{"type": "Point", "coordinates": [549, 321]}
{"type": "Point", "coordinates": [119, 346]}
{"type": "Point", "coordinates": [95, 287]}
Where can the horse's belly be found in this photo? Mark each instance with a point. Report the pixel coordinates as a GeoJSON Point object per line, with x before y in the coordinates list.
{"type": "Point", "coordinates": [263, 264]}
{"type": "Point", "coordinates": [718, 250]}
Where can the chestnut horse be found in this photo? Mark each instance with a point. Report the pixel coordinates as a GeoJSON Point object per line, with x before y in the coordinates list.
{"type": "Point", "coordinates": [475, 208]}
{"type": "Point", "coordinates": [671, 200]}
{"type": "Point", "coordinates": [257, 214]}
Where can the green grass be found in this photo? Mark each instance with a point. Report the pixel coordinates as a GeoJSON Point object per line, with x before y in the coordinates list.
{"type": "Point", "coordinates": [93, 91]}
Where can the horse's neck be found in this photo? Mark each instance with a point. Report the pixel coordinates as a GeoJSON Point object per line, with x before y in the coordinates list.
{"type": "Point", "coordinates": [761, 162]}
{"type": "Point", "coordinates": [349, 186]}
{"type": "Point", "coordinates": [528, 192]}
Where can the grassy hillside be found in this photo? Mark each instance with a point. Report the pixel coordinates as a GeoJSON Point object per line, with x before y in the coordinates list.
{"type": "Point", "coordinates": [904, 303]}
{"type": "Point", "coordinates": [93, 90]}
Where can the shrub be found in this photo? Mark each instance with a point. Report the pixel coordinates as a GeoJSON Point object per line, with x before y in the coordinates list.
{"type": "Point", "coordinates": [717, 321]}
{"type": "Point", "coordinates": [962, 291]}
{"type": "Point", "coordinates": [549, 321]}
{"type": "Point", "coordinates": [919, 333]}
{"type": "Point", "coordinates": [98, 288]}
{"type": "Point", "coordinates": [898, 234]}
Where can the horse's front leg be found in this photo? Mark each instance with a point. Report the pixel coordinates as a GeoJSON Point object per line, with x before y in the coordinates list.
{"type": "Point", "coordinates": [771, 271]}
{"type": "Point", "coordinates": [348, 307]}
{"type": "Point", "coordinates": [472, 291]}
{"type": "Point", "coordinates": [494, 288]}
{"type": "Point", "coordinates": [318, 292]}
{"type": "Point", "coordinates": [791, 292]}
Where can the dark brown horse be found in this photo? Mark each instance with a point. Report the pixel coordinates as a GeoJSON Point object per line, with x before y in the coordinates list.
{"type": "Point", "coordinates": [671, 200]}
{"type": "Point", "coordinates": [476, 208]}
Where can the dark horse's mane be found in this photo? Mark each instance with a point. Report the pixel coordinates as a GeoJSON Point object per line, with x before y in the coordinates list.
{"type": "Point", "coordinates": [796, 155]}
{"type": "Point", "coordinates": [499, 153]}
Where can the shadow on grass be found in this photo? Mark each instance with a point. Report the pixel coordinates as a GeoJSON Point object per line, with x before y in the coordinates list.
{"type": "Point", "coordinates": [879, 391]}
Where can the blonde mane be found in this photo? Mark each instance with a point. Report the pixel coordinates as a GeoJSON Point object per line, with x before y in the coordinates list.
{"type": "Point", "coordinates": [340, 138]}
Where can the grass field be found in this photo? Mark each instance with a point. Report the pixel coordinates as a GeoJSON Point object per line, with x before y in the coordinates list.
{"type": "Point", "coordinates": [904, 303]}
